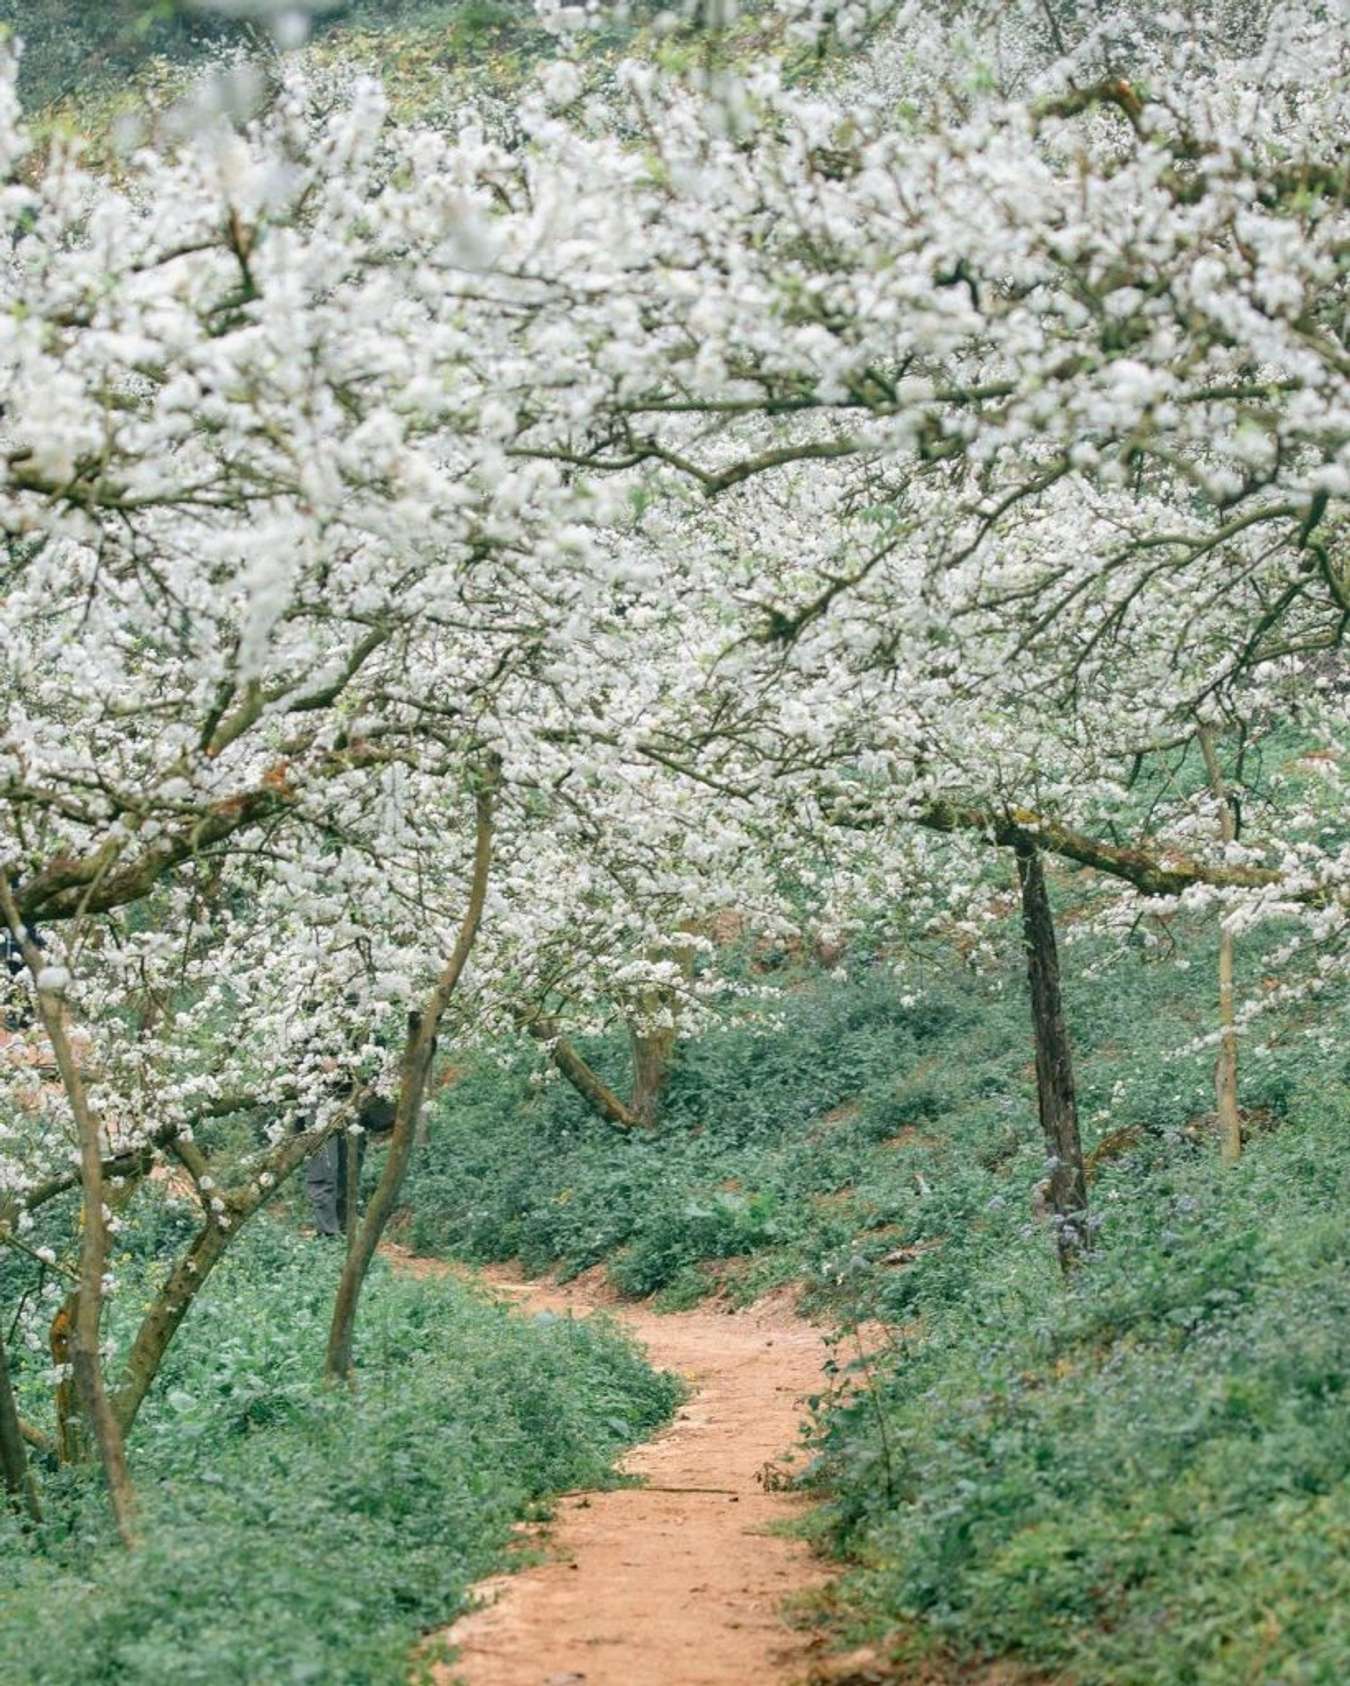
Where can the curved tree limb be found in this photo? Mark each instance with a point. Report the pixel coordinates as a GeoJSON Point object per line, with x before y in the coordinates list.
{"type": "Point", "coordinates": [579, 1073]}
{"type": "Point", "coordinates": [219, 1228]}
{"type": "Point", "coordinates": [85, 1354]}
{"type": "Point", "coordinates": [417, 1056]}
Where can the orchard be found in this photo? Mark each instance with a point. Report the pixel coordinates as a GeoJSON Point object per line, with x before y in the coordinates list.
{"type": "Point", "coordinates": [507, 607]}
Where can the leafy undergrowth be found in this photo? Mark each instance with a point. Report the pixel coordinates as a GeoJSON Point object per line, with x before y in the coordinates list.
{"type": "Point", "coordinates": [1139, 1478]}
{"type": "Point", "coordinates": [293, 1533]}
{"type": "Point", "coordinates": [1143, 1478]}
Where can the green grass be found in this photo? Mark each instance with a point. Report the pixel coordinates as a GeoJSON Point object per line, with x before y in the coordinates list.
{"type": "Point", "coordinates": [1142, 1477]}
{"type": "Point", "coordinates": [850, 1124]}
{"type": "Point", "coordinates": [294, 1533]}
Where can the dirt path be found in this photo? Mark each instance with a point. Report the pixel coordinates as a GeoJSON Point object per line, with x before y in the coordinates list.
{"type": "Point", "coordinates": [680, 1582]}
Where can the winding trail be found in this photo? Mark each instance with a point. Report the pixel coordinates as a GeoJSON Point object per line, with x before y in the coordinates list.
{"type": "Point", "coordinates": [682, 1581]}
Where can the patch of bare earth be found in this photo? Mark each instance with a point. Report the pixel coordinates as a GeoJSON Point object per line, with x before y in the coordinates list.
{"type": "Point", "coordinates": [682, 1581]}
{"type": "Point", "coordinates": [871, 1665]}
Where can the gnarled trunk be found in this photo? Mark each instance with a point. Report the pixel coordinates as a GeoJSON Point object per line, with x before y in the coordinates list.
{"type": "Point", "coordinates": [653, 1051]}
{"type": "Point", "coordinates": [186, 1280]}
{"type": "Point", "coordinates": [582, 1076]}
{"type": "Point", "coordinates": [85, 1358]}
{"type": "Point", "coordinates": [160, 1323]}
{"type": "Point", "coordinates": [73, 1445]}
{"type": "Point", "coordinates": [655, 1034]}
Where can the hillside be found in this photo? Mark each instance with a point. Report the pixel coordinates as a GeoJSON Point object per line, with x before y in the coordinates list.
{"type": "Point", "coordinates": [73, 51]}
{"type": "Point", "coordinates": [85, 70]}
{"type": "Point", "coordinates": [1131, 1477]}
{"type": "Point", "coordinates": [674, 843]}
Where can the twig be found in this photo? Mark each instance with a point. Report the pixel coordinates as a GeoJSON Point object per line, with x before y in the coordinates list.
{"type": "Point", "coordinates": [640, 1487]}
{"type": "Point", "coordinates": [10, 1240]}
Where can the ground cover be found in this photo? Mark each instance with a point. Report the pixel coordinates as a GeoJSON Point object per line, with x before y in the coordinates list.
{"type": "Point", "coordinates": [1141, 1475]}
{"type": "Point", "coordinates": [297, 1533]}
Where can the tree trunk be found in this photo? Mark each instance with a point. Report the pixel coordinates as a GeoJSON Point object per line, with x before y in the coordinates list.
{"type": "Point", "coordinates": [417, 1057]}
{"type": "Point", "coordinates": [652, 1054]}
{"type": "Point", "coordinates": [351, 1176]}
{"type": "Point", "coordinates": [170, 1306]}
{"type": "Point", "coordinates": [19, 1483]}
{"type": "Point", "coordinates": [72, 1441]}
{"type": "Point", "coordinates": [86, 1360]}
{"type": "Point", "coordinates": [161, 1321]}
{"type": "Point", "coordinates": [39, 1441]}
{"type": "Point", "coordinates": [73, 1444]}
{"type": "Point", "coordinates": [1226, 1066]}
{"type": "Point", "coordinates": [1067, 1184]}
{"type": "Point", "coordinates": [583, 1077]}
{"type": "Point", "coordinates": [654, 1049]}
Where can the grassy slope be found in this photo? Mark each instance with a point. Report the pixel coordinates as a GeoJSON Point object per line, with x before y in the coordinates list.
{"type": "Point", "coordinates": [295, 1534]}
{"type": "Point", "coordinates": [76, 52]}
{"type": "Point", "coordinates": [1140, 1478]}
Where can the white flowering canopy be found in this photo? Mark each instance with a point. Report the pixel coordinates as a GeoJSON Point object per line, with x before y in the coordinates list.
{"type": "Point", "coordinates": [723, 460]}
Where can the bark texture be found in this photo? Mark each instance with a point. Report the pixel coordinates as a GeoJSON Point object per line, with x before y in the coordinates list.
{"type": "Point", "coordinates": [85, 1358]}
{"type": "Point", "coordinates": [161, 1321]}
{"type": "Point", "coordinates": [582, 1076]}
{"type": "Point", "coordinates": [1067, 1184]}
{"type": "Point", "coordinates": [654, 1041]}
{"type": "Point", "coordinates": [72, 1443]}
{"type": "Point", "coordinates": [652, 1055]}
{"type": "Point", "coordinates": [170, 1306]}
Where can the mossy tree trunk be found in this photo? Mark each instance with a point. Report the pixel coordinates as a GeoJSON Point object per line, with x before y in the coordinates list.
{"type": "Point", "coordinates": [189, 1275]}
{"type": "Point", "coordinates": [583, 1077]}
{"type": "Point", "coordinates": [351, 1192]}
{"type": "Point", "coordinates": [85, 1357]}
{"type": "Point", "coordinates": [652, 1041]}
{"type": "Point", "coordinates": [655, 1038]}
{"type": "Point", "coordinates": [1056, 1097]}
{"type": "Point", "coordinates": [122, 1175]}
{"type": "Point", "coordinates": [653, 1051]}
{"type": "Point", "coordinates": [166, 1312]}
{"type": "Point", "coordinates": [73, 1445]}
